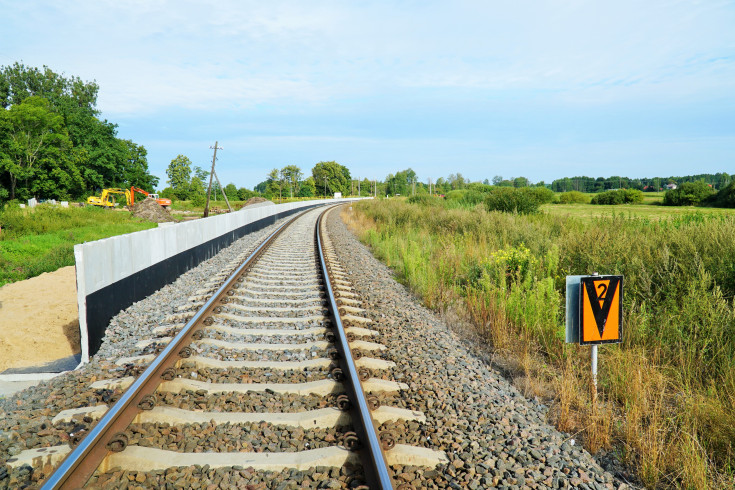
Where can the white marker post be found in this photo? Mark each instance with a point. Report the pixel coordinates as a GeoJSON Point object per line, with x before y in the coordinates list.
{"type": "Point", "coordinates": [594, 365]}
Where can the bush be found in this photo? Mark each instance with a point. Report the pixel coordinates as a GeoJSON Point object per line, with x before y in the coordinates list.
{"type": "Point", "coordinates": [725, 198]}
{"type": "Point", "coordinates": [197, 199]}
{"type": "Point", "coordinates": [620, 196]}
{"type": "Point", "coordinates": [688, 194]}
{"type": "Point", "coordinates": [573, 197]}
{"type": "Point", "coordinates": [456, 195]}
{"type": "Point", "coordinates": [524, 200]}
{"type": "Point", "coordinates": [169, 193]}
{"type": "Point", "coordinates": [465, 197]}
{"type": "Point", "coordinates": [244, 194]}
{"type": "Point", "coordinates": [424, 200]}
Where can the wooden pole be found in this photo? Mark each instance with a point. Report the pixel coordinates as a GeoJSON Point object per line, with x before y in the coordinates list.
{"type": "Point", "coordinates": [211, 175]}
{"type": "Point", "coordinates": [223, 190]}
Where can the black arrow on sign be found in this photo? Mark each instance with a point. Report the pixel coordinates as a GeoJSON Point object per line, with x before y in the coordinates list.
{"type": "Point", "coordinates": [601, 312]}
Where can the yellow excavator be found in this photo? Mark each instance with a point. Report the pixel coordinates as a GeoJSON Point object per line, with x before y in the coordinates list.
{"type": "Point", "coordinates": [107, 198]}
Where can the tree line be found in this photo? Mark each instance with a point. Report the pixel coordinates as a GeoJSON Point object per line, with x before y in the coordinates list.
{"type": "Point", "coordinates": [53, 144]}
{"type": "Point", "coordinates": [326, 179]}
{"type": "Point", "coordinates": [717, 181]}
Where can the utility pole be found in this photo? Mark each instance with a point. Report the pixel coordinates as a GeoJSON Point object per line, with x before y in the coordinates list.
{"type": "Point", "coordinates": [223, 191]}
{"type": "Point", "coordinates": [325, 186]}
{"type": "Point", "coordinates": [358, 187]}
{"type": "Point", "coordinates": [211, 175]}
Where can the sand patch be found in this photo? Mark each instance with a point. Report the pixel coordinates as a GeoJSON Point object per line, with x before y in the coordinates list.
{"type": "Point", "coordinates": [39, 321]}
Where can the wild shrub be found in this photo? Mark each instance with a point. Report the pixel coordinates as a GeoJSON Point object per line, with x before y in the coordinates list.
{"type": "Point", "coordinates": [688, 194]}
{"type": "Point", "coordinates": [456, 195]}
{"type": "Point", "coordinates": [620, 196]}
{"type": "Point", "coordinates": [725, 198]}
{"type": "Point", "coordinates": [425, 200]}
{"type": "Point", "coordinates": [524, 200]}
{"type": "Point", "coordinates": [198, 200]}
{"type": "Point", "coordinates": [573, 197]}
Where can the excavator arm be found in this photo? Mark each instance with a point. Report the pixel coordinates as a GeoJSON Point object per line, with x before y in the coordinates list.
{"type": "Point", "coordinates": [132, 191]}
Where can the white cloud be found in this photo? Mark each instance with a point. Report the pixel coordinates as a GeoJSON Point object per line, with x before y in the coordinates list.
{"type": "Point", "coordinates": [151, 55]}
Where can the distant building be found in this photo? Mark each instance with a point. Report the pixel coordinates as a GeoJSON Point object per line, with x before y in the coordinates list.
{"type": "Point", "coordinates": [670, 186]}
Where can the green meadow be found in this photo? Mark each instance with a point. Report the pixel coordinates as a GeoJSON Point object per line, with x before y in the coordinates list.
{"type": "Point", "coordinates": [42, 239]}
{"type": "Point", "coordinates": [666, 398]}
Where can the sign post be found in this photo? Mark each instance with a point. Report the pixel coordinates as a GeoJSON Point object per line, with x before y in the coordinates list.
{"type": "Point", "coordinates": [594, 313]}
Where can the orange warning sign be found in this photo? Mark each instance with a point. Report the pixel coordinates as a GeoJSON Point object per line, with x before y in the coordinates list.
{"type": "Point", "coordinates": [601, 310]}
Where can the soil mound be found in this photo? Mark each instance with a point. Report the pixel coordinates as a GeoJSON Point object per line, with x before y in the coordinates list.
{"type": "Point", "coordinates": [150, 210]}
{"type": "Point", "coordinates": [255, 200]}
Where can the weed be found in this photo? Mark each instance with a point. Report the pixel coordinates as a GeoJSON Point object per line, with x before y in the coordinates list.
{"type": "Point", "coordinates": [667, 394]}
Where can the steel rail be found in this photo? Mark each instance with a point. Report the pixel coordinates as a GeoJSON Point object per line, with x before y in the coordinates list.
{"type": "Point", "coordinates": [377, 473]}
{"type": "Point", "coordinates": [79, 465]}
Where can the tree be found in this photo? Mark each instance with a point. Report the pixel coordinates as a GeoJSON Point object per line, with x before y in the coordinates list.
{"type": "Point", "coordinates": [244, 194]}
{"type": "Point", "coordinates": [18, 82]}
{"type": "Point", "coordinates": [497, 179]}
{"type": "Point", "coordinates": [95, 157]}
{"type": "Point", "coordinates": [442, 184]}
{"type": "Point", "coordinates": [179, 175]}
{"type": "Point", "coordinates": [261, 188]}
{"type": "Point", "coordinates": [456, 181]}
{"type": "Point", "coordinates": [275, 184]}
{"type": "Point", "coordinates": [135, 167]}
{"type": "Point", "coordinates": [291, 175]}
{"type": "Point", "coordinates": [35, 140]}
{"type": "Point", "coordinates": [197, 193]}
{"type": "Point", "coordinates": [231, 191]}
{"type": "Point", "coordinates": [521, 182]}
{"type": "Point", "coordinates": [366, 187]}
{"type": "Point", "coordinates": [196, 189]}
{"type": "Point", "coordinates": [200, 173]}
{"type": "Point", "coordinates": [331, 177]}
{"type": "Point", "coordinates": [307, 188]}
{"type": "Point", "coordinates": [688, 194]}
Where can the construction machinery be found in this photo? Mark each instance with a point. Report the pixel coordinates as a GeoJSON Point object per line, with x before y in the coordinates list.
{"type": "Point", "coordinates": [162, 201]}
{"type": "Point", "coordinates": [107, 198]}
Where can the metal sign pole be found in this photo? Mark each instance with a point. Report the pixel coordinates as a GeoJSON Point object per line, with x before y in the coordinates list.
{"type": "Point", "coordinates": [594, 372]}
{"type": "Point", "coordinates": [594, 365]}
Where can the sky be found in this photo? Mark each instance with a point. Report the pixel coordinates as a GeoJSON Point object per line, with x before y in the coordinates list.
{"type": "Point", "coordinates": [541, 89]}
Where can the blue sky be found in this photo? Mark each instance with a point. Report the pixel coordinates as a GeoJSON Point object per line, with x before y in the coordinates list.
{"type": "Point", "coordinates": [541, 89]}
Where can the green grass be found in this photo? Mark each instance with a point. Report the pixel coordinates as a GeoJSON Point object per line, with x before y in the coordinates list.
{"type": "Point", "coordinates": [649, 211]}
{"type": "Point", "coordinates": [672, 381]}
{"type": "Point", "coordinates": [42, 239]}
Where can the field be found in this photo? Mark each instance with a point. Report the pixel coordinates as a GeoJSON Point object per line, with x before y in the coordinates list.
{"type": "Point", "coordinates": [33, 241]}
{"type": "Point", "coordinates": [666, 398]}
{"type": "Point", "coordinates": [648, 210]}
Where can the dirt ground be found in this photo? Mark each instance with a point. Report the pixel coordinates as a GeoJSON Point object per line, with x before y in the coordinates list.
{"type": "Point", "coordinates": [38, 319]}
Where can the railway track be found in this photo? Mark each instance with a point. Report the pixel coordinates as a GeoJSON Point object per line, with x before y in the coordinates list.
{"type": "Point", "coordinates": [272, 369]}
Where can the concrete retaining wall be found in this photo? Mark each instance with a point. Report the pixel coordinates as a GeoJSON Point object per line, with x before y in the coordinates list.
{"type": "Point", "coordinates": [115, 272]}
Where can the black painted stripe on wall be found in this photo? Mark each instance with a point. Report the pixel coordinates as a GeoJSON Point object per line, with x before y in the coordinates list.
{"type": "Point", "coordinates": [107, 302]}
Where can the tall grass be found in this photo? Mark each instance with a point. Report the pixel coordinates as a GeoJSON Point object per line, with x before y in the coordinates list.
{"type": "Point", "coordinates": [42, 239]}
{"type": "Point", "coordinates": [667, 394]}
